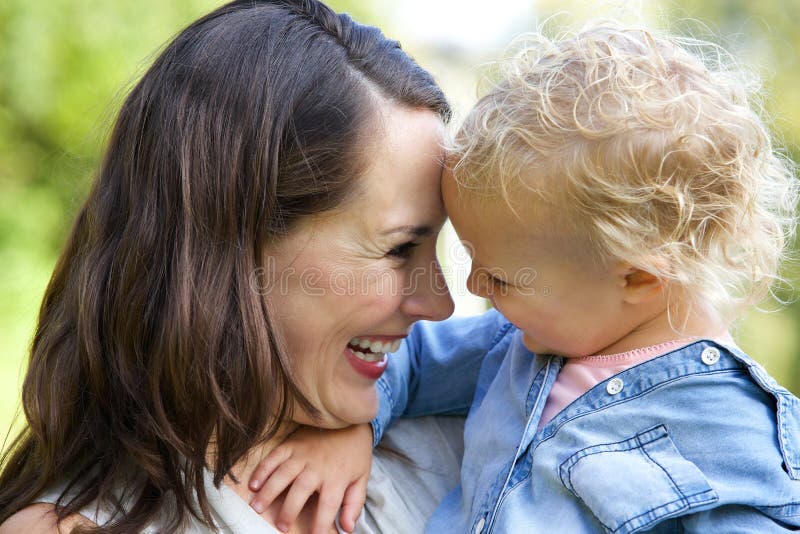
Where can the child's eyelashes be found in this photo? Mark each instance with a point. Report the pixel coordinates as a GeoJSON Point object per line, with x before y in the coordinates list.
{"type": "Point", "coordinates": [403, 251]}
{"type": "Point", "coordinates": [497, 281]}
{"type": "Point", "coordinates": [493, 281]}
{"type": "Point", "coordinates": [488, 281]}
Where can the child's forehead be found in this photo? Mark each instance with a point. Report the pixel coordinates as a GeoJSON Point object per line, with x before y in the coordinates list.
{"type": "Point", "coordinates": [525, 219]}
{"type": "Point", "coordinates": [519, 211]}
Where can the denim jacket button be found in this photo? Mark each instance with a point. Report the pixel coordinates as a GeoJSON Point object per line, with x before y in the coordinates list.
{"type": "Point", "coordinates": [710, 355]}
{"type": "Point", "coordinates": [479, 526]}
{"type": "Point", "coordinates": [614, 386]}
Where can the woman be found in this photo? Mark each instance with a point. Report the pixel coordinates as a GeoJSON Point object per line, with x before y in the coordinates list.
{"type": "Point", "coordinates": [262, 229]}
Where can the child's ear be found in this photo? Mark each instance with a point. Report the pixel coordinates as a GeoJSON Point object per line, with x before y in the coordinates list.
{"type": "Point", "coordinates": [639, 286]}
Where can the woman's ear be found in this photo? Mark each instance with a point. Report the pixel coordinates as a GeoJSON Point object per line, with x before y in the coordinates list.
{"type": "Point", "coordinates": [639, 286]}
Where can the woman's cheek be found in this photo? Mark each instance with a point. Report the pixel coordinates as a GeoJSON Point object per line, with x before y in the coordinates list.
{"type": "Point", "coordinates": [390, 293]}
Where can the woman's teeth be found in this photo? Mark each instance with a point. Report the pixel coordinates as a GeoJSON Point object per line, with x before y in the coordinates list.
{"type": "Point", "coordinates": [373, 351]}
{"type": "Point", "coordinates": [370, 356]}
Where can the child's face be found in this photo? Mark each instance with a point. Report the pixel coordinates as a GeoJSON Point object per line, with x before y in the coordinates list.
{"type": "Point", "coordinates": [538, 277]}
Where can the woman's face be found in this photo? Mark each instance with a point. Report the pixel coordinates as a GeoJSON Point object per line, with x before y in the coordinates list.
{"type": "Point", "coordinates": [348, 285]}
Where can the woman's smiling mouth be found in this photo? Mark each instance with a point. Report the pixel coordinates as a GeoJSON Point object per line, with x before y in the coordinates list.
{"type": "Point", "coordinates": [371, 348]}
{"type": "Point", "coordinates": [367, 355]}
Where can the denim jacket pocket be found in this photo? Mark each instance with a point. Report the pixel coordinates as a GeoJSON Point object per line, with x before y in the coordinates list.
{"type": "Point", "coordinates": [633, 484]}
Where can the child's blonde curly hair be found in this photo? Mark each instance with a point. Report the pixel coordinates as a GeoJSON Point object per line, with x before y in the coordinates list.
{"type": "Point", "coordinates": [651, 151]}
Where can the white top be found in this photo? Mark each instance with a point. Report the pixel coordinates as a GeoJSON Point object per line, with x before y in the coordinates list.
{"type": "Point", "coordinates": [230, 512]}
{"type": "Point", "coordinates": [401, 496]}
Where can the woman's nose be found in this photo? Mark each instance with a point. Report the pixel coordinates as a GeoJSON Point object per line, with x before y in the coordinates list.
{"type": "Point", "coordinates": [429, 297]}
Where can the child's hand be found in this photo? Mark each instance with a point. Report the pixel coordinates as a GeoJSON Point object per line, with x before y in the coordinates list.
{"type": "Point", "coordinates": [333, 463]}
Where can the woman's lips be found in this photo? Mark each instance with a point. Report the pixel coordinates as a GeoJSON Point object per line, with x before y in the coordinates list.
{"type": "Point", "coordinates": [371, 370]}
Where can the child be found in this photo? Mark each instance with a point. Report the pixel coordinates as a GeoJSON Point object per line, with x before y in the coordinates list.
{"type": "Point", "coordinates": [623, 206]}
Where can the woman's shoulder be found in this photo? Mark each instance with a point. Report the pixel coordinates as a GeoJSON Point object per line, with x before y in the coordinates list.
{"type": "Point", "coordinates": [40, 518]}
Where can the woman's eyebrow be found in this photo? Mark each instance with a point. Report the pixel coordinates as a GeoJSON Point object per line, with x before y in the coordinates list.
{"type": "Point", "coordinates": [416, 231]}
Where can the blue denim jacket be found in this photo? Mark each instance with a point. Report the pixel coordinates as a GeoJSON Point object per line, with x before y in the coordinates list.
{"type": "Point", "coordinates": [701, 439]}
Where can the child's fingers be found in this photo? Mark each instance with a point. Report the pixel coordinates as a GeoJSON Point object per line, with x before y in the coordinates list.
{"type": "Point", "coordinates": [328, 504]}
{"type": "Point", "coordinates": [353, 503]}
{"type": "Point", "coordinates": [266, 466]}
{"type": "Point", "coordinates": [302, 489]}
{"type": "Point", "coordinates": [276, 484]}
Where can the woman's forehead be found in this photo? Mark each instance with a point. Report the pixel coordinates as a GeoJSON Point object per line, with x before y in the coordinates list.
{"type": "Point", "coordinates": [403, 176]}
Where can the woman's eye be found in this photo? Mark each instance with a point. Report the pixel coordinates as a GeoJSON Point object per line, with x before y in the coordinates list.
{"type": "Point", "coordinates": [403, 251]}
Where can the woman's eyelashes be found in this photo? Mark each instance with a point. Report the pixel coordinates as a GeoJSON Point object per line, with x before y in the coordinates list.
{"type": "Point", "coordinates": [403, 251]}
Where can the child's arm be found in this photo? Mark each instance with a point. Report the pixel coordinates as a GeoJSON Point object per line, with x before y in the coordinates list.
{"type": "Point", "coordinates": [734, 518]}
{"type": "Point", "coordinates": [333, 463]}
{"type": "Point", "coordinates": [435, 372]}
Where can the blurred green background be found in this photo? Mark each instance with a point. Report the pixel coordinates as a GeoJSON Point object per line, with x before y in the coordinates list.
{"type": "Point", "coordinates": [65, 65]}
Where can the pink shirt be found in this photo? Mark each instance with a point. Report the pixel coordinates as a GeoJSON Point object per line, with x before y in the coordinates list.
{"type": "Point", "coordinates": [579, 375]}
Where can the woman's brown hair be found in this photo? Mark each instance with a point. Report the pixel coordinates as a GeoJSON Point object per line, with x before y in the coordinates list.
{"type": "Point", "coordinates": [151, 342]}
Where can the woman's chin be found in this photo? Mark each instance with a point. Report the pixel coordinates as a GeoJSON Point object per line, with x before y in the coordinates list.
{"type": "Point", "coordinates": [362, 410]}
{"type": "Point", "coordinates": [351, 409]}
